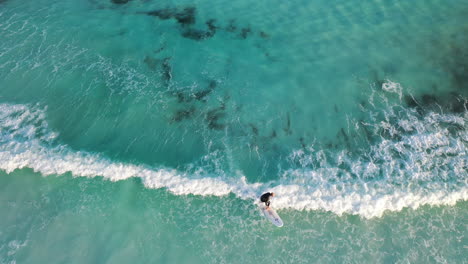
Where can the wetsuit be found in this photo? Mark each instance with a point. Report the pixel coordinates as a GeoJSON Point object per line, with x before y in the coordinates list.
{"type": "Point", "coordinates": [266, 198]}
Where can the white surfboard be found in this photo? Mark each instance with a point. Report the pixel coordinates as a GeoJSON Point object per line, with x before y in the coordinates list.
{"type": "Point", "coordinates": [271, 215]}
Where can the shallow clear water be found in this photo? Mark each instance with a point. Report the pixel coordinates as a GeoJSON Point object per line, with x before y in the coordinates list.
{"type": "Point", "coordinates": [354, 113]}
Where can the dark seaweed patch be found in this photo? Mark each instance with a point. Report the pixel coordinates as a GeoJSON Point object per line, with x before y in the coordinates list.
{"type": "Point", "coordinates": [287, 129]}
{"type": "Point", "coordinates": [185, 16]}
{"type": "Point", "coordinates": [264, 35]}
{"type": "Point", "coordinates": [273, 134]}
{"type": "Point", "coordinates": [199, 96]}
{"type": "Point", "coordinates": [376, 78]}
{"type": "Point", "coordinates": [152, 63]}
{"type": "Point", "coordinates": [452, 102]}
{"type": "Point", "coordinates": [183, 114]}
{"type": "Point", "coordinates": [245, 32]}
{"type": "Point", "coordinates": [159, 50]}
{"type": "Point", "coordinates": [366, 132]}
{"type": "Point", "coordinates": [429, 99]}
{"type": "Point", "coordinates": [162, 13]}
{"type": "Point", "coordinates": [410, 101]}
{"type": "Point", "coordinates": [197, 34]}
{"type": "Point", "coordinates": [254, 129]}
{"type": "Point", "coordinates": [302, 141]}
{"type": "Point", "coordinates": [345, 137]}
{"type": "Point", "coordinates": [166, 69]}
{"type": "Point", "coordinates": [211, 25]}
{"type": "Point", "coordinates": [213, 117]}
{"type": "Point", "coordinates": [231, 26]}
{"type": "Point", "coordinates": [343, 133]}
{"type": "Point", "coordinates": [457, 66]}
{"type": "Point", "coordinates": [118, 2]}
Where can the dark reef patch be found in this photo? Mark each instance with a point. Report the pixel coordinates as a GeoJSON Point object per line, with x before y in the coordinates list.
{"type": "Point", "coordinates": [287, 129]}
{"type": "Point", "coordinates": [200, 96]}
{"type": "Point", "coordinates": [163, 64]}
{"type": "Point", "coordinates": [302, 141]}
{"type": "Point", "coordinates": [183, 16]}
{"type": "Point", "coordinates": [117, 2]}
{"type": "Point", "coordinates": [456, 64]}
{"type": "Point", "coordinates": [181, 115]}
{"type": "Point", "coordinates": [186, 97]}
{"type": "Point", "coordinates": [167, 69]}
{"type": "Point", "coordinates": [211, 25]}
{"type": "Point", "coordinates": [245, 32]}
{"type": "Point", "coordinates": [231, 27]}
{"type": "Point", "coordinates": [264, 35]}
{"type": "Point", "coordinates": [450, 56]}
{"type": "Point", "coordinates": [254, 129]}
{"type": "Point", "coordinates": [197, 34]}
{"type": "Point", "coordinates": [451, 101]}
{"type": "Point", "coordinates": [186, 18]}
{"type": "Point", "coordinates": [376, 79]}
{"type": "Point", "coordinates": [152, 63]}
{"type": "Point", "coordinates": [212, 118]}
{"type": "Point", "coordinates": [273, 134]}
{"type": "Point", "coordinates": [160, 49]}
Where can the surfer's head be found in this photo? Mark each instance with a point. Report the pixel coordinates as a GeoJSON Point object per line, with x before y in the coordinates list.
{"type": "Point", "coordinates": [272, 194]}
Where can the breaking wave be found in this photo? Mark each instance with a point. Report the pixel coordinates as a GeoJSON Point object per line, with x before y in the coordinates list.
{"type": "Point", "coordinates": [417, 159]}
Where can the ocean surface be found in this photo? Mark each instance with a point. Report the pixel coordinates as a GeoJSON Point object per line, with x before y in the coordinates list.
{"type": "Point", "coordinates": [143, 131]}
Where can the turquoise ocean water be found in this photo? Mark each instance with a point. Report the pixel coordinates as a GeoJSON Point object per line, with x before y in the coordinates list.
{"type": "Point", "coordinates": [141, 131]}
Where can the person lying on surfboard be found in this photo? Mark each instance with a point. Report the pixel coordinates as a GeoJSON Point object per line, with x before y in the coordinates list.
{"type": "Point", "coordinates": [265, 198]}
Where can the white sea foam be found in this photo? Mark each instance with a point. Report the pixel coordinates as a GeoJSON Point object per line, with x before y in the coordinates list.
{"type": "Point", "coordinates": [393, 87]}
{"type": "Point", "coordinates": [425, 166]}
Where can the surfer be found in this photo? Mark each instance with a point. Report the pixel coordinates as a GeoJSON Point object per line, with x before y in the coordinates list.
{"type": "Point", "coordinates": [265, 198]}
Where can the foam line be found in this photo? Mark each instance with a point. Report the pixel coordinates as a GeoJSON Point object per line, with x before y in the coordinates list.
{"type": "Point", "coordinates": [410, 172]}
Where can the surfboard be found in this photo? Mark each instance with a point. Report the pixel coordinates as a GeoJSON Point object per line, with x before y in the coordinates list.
{"type": "Point", "coordinates": [271, 215]}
